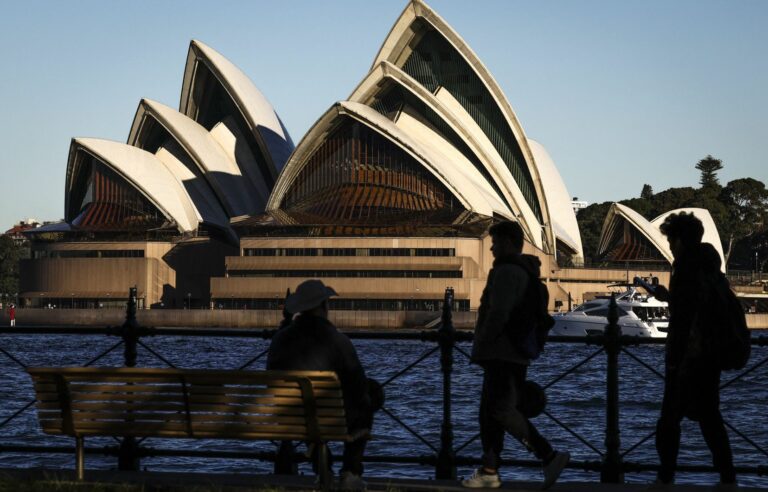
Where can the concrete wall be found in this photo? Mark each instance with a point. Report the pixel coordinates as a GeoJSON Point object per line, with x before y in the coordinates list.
{"type": "Point", "coordinates": [226, 318]}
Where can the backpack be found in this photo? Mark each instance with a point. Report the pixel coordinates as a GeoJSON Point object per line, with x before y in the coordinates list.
{"type": "Point", "coordinates": [732, 336]}
{"type": "Point", "coordinates": [530, 322]}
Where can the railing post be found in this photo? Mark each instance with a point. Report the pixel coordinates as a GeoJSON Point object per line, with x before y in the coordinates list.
{"type": "Point", "coordinates": [446, 460]}
{"type": "Point", "coordinates": [284, 459]}
{"type": "Point", "coordinates": [612, 466]}
{"type": "Point", "coordinates": [130, 330]}
{"type": "Point", "coordinates": [128, 455]}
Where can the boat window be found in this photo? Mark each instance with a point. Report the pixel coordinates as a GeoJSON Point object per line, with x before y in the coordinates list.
{"type": "Point", "coordinates": [604, 312]}
{"type": "Point", "coordinates": [661, 312]}
{"type": "Point", "coordinates": [588, 305]}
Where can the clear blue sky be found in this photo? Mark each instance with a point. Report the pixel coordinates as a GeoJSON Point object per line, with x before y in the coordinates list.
{"type": "Point", "coordinates": [621, 93]}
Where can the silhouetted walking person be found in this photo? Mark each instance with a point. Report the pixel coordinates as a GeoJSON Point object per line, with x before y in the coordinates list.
{"type": "Point", "coordinates": [692, 375]}
{"type": "Point", "coordinates": [504, 309]}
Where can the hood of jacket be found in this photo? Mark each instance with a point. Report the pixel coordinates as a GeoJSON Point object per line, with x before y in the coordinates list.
{"type": "Point", "coordinates": [530, 263]}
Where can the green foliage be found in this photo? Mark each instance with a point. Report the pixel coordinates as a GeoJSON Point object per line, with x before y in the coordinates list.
{"type": "Point", "coordinates": [647, 192]}
{"type": "Point", "coordinates": [739, 211]}
{"type": "Point", "coordinates": [746, 204]}
{"type": "Point", "coordinates": [709, 167]}
{"type": "Point", "coordinates": [590, 221]}
{"type": "Point", "coordinates": [10, 254]}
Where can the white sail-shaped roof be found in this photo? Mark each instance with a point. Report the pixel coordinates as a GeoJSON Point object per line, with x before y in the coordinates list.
{"type": "Point", "coordinates": [711, 235]}
{"type": "Point", "coordinates": [651, 229]}
{"type": "Point", "coordinates": [492, 166]}
{"type": "Point", "coordinates": [258, 113]}
{"type": "Point", "coordinates": [464, 182]}
{"type": "Point", "coordinates": [561, 212]}
{"type": "Point", "coordinates": [398, 48]}
{"type": "Point", "coordinates": [652, 233]}
{"type": "Point", "coordinates": [216, 166]}
{"type": "Point", "coordinates": [146, 173]}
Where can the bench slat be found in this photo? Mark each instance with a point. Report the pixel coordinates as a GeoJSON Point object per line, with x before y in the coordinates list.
{"type": "Point", "coordinates": [149, 406]}
{"type": "Point", "coordinates": [183, 403]}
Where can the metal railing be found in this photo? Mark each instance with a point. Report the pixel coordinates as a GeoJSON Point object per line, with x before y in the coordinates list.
{"type": "Point", "coordinates": [611, 462]}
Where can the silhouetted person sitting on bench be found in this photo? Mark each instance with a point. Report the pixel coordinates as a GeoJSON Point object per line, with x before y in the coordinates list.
{"type": "Point", "coordinates": [311, 342]}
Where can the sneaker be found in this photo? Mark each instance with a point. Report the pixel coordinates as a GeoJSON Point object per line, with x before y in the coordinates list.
{"type": "Point", "coordinates": [553, 469]}
{"type": "Point", "coordinates": [350, 481]}
{"type": "Point", "coordinates": [482, 480]}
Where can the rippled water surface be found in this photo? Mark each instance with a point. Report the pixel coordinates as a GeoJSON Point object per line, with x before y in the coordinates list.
{"type": "Point", "coordinates": [577, 401]}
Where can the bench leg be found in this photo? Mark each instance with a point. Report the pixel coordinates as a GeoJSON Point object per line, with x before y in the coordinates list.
{"type": "Point", "coordinates": [323, 466]}
{"type": "Point", "coordinates": [80, 458]}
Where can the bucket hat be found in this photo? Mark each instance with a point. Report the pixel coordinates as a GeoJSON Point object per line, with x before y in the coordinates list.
{"type": "Point", "coordinates": [309, 294]}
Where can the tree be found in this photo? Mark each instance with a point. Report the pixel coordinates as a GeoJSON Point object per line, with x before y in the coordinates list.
{"type": "Point", "coordinates": [10, 254]}
{"type": "Point", "coordinates": [709, 167]}
{"type": "Point", "coordinates": [647, 192]}
{"type": "Point", "coordinates": [746, 200]}
{"type": "Point", "coordinates": [590, 220]}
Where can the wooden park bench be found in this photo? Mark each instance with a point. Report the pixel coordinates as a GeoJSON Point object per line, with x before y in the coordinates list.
{"type": "Point", "coordinates": [186, 403]}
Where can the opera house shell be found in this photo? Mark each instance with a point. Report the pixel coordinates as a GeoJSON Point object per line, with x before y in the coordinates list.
{"type": "Point", "coordinates": [390, 193]}
{"type": "Point", "coordinates": [628, 237]}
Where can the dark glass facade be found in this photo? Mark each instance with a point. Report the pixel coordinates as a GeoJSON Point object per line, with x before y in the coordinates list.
{"type": "Point", "coordinates": [77, 253]}
{"type": "Point", "coordinates": [626, 243]}
{"type": "Point", "coordinates": [357, 176]}
{"type": "Point", "coordinates": [102, 200]}
{"type": "Point", "coordinates": [349, 252]}
{"type": "Point", "coordinates": [348, 304]}
{"type": "Point", "coordinates": [434, 63]}
{"type": "Point", "coordinates": [394, 99]}
{"type": "Point", "coordinates": [214, 105]}
{"type": "Point", "coordinates": [348, 273]}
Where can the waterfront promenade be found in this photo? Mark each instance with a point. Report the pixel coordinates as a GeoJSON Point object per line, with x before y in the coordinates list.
{"type": "Point", "coordinates": [428, 427]}
{"type": "Point", "coordinates": [241, 482]}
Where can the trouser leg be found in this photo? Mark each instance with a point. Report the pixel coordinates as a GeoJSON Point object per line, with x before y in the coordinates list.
{"type": "Point", "coordinates": [491, 430]}
{"type": "Point", "coordinates": [531, 439]}
{"type": "Point", "coordinates": [501, 390]}
{"type": "Point", "coordinates": [354, 451]}
{"type": "Point", "coordinates": [713, 427]}
{"type": "Point", "coordinates": [716, 437]}
{"type": "Point", "coordinates": [668, 428]}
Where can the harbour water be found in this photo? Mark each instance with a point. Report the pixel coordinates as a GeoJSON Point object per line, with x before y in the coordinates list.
{"type": "Point", "coordinates": [415, 397]}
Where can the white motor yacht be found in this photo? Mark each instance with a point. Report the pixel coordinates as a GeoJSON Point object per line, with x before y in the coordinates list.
{"type": "Point", "coordinates": [640, 315]}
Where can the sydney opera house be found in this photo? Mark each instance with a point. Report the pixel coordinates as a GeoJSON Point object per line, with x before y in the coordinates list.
{"type": "Point", "coordinates": [389, 194]}
{"type": "Point", "coordinates": [628, 237]}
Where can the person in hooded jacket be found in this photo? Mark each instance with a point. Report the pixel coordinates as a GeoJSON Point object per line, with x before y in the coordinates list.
{"type": "Point", "coordinates": [311, 342]}
{"type": "Point", "coordinates": [692, 373]}
{"type": "Point", "coordinates": [505, 304]}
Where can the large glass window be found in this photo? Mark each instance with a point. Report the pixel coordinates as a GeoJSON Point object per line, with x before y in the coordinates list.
{"type": "Point", "coordinates": [358, 176]}
{"type": "Point", "coordinates": [627, 243]}
{"type": "Point", "coordinates": [76, 253]}
{"type": "Point", "coordinates": [349, 252]}
{"type": "Point", "coordinates": [435, 63]}
{"type": "Point", "coordinates": [349, 304]}
{"type": "Point", "coordinates": [102, 200]}
{"type": "Point", "coordinates": [394, 99]}
{"type": "Point", "coordinates": [348, 273]}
